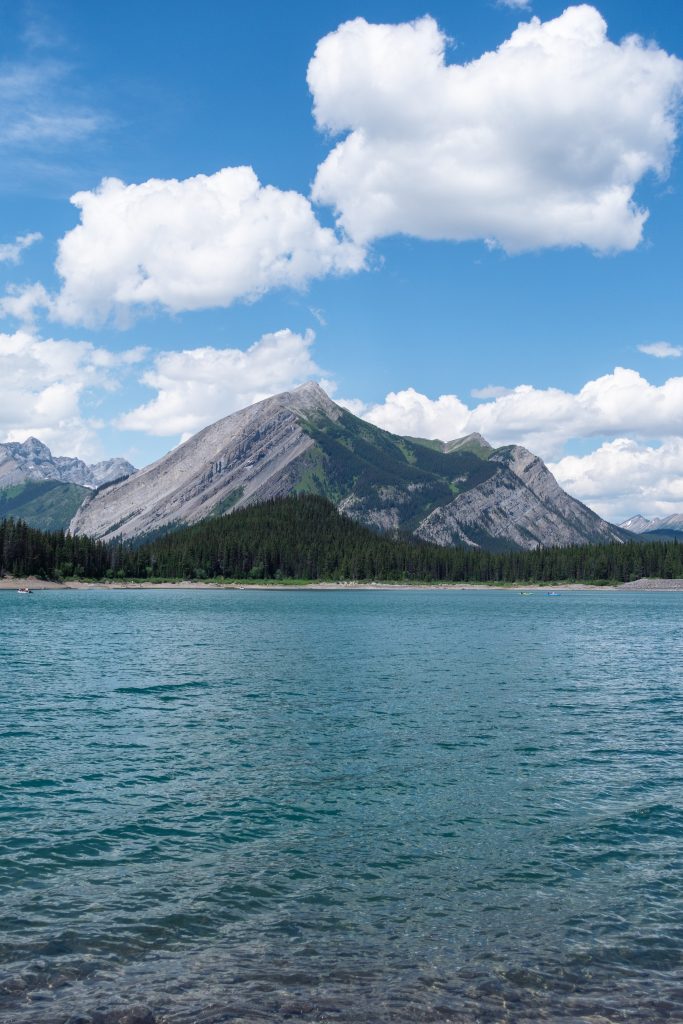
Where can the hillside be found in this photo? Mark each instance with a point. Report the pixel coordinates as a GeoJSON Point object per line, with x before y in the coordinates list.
{"type": "Point", "coordinates": [47, 504]}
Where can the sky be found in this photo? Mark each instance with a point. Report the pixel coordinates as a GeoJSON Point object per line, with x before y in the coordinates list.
{"type": "Point", "coordinates": [456, 217]}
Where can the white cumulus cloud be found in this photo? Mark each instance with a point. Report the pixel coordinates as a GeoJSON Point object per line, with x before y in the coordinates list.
{"type": "Point", "coordinates": [45, 382]}
{"type": "Point", "coordinates": [198, 386]}
{"type": "Point", "coordinates": [622, 478]}
{"type": "Point", "coordinates": [409, 412]}
{"type": "Point", "coordinates": [205, 241]}
{"type": "Point", "coordinates": [661, 350]}
{"type": "Point", "coordinates": [542, 419]}
{"type": "Point", "coordinates": [540, 143]}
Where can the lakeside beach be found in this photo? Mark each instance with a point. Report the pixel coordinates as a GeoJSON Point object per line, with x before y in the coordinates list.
{"type": "Point", "coordinates": [33, 583]}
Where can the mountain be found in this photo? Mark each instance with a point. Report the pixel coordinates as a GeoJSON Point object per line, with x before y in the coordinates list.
{"type": "Point", "coordinates": [462, 492]}
{"type": "Point", "coordinates": [33, 460]}
{"type": "Point", "coordinates": [668, 525]}
{"type": "Point", "coordinates": [43, 504]}
{"type": "Point", "coordinates": [636, 524]}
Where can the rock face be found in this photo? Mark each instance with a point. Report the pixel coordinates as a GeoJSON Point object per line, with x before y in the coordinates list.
{"type": "Point", "coordinates": [520, 505]}
{"type": "Point", "coordinates": [639, 524]}
{"type": "Point", "coordinates": [252, 455]}
{"type": "Point", "coordinates": [462, 492]}
{"type": "Point", "coordinates": [33, 460]}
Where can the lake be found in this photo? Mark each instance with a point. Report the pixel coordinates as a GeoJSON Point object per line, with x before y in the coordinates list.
{"type": "Point", "coordinates": [353, 807]}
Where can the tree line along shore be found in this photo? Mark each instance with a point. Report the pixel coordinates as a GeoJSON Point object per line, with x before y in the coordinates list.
{"type": "Point", "coordinates": [304, 537]}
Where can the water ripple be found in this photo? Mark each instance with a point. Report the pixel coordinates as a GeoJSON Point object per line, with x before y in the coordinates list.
{"type": "Point", "coordinates": [340, 807]}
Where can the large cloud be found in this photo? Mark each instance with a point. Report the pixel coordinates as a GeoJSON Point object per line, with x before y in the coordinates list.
{"type": "Point", "coordinates": [540, 143]}
{"type": "Point", "coordinates": [543, 419]}
{"type": "Point", "coordinates": [205, 241]}
{"type": "Point", "coordinates": [45, 383]}
{"type": "Point", "coordinates": [622, 478]}
{"type": "Point", "coordinates": [197, 386]}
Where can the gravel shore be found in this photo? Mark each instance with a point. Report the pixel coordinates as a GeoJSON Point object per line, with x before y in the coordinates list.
{"type": "Point", "coordinates": [11, 583]}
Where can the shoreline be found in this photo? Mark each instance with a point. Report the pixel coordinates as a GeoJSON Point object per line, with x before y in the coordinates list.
{"type": "Point", "coordinates": [8, 583]}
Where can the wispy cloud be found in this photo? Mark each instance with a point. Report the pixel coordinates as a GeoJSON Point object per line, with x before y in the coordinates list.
{"type": "Point", "coordinates": [10, 252]}
{"type": "Point", "coordinates": [661, 350]}
{"type": "Point", "coordinates": [41, 31]}
{"type": "Point", "coordinates": [38, 106]}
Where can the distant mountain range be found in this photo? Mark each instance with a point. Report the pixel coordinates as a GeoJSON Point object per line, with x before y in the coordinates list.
{"type": "Point", "coordinates": [45, 491]}
{"type": "Point", "coordinates": [462, 492]}
{"type": "Point", "coordinates": [33, 461]}
{"type": "Point", "coordinates": [668, 526]}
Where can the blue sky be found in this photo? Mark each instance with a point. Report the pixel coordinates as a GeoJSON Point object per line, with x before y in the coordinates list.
{"type": "Point", "coordinates": [491, 256]}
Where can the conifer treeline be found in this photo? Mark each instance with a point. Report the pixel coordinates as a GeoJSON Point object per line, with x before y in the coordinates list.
{"type": "Point", "coordinates": [304, 537]}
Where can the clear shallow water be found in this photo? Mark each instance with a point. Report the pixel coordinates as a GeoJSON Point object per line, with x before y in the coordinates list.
{"type": "Point", "coordinates": [340, 807]}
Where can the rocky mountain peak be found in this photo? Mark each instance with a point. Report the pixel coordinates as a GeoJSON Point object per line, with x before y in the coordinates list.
{"type": "Point", "coordinates": [32, 460]}
{"type": "Point", "coordinates": [470, 442]}
{"type": "Point", "coordinates": [636, 524]}
{"type": "Point", "coordinates": [32, 446]}
{"type": "Point", "coordinates": [309, 398]}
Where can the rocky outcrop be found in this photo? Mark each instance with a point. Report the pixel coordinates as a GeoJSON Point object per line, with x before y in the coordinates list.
{"type": "Point", "coordinates": [252, 455]}
{"type": "Point", "coordinates": [110, 469]}
{"type": "Point", "coordinates": [33, 460]}
{"type": "Point", "coordinates": [520, 505]}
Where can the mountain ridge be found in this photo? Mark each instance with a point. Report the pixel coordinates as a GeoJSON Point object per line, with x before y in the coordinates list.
{"type": "Point", "coordinates": [462, 492]}
{"type": "Point", "coordinates": [641, 524]}
{"type": "Point", "coordinates": [32, 460]}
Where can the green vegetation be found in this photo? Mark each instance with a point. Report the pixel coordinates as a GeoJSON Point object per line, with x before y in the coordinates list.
{"type": "Point", "coordinates": [378, 468]}
{"type": "Point", "coordinates": [228, 502]}
{"type": "Point", "coordinates": [473, 445]}
{"type": "Point", "coordinates": [45, 504]}
{"type": "Point", "coordinates": [304, 538]}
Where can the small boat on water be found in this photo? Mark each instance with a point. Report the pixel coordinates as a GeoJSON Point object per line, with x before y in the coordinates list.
{"type": "Point", "coordinates": [24, 590]}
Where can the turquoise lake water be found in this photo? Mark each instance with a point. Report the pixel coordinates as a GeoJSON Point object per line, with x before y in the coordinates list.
{"type": "Point", "coordinates": [342, 807]}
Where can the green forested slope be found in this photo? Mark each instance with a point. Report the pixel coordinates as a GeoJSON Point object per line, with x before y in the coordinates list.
{"type": "Point", "coordinates": [353, 457]}
{"type": "Point", "coordinates": [45, 504]}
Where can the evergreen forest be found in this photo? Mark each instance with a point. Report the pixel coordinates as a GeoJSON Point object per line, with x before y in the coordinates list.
{"type": "Point", "coordinates": [304, 537]}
